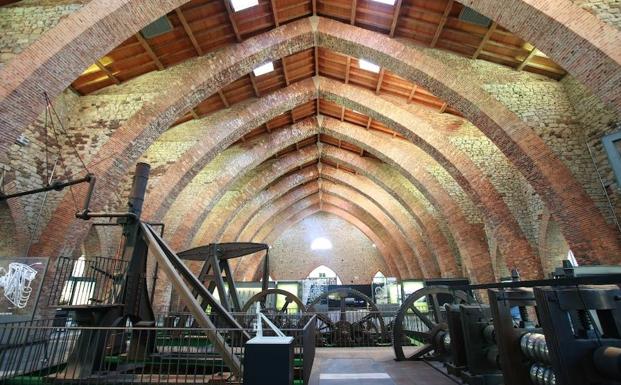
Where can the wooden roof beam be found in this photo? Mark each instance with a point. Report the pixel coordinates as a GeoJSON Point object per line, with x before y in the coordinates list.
{"type": "Point", "coordinates": [443, 20]}
{"type": "Point", "coordinates": [342, 113]}
{"type": "Point", "coordinates": [223, 98]}
{"type": "Point", "coordinates": [317, 106]}
{"type": "Point", "coordinates": [369, 120]}
{"type": "Point", "coordinates": [347, 70]}
{"type": "Point", "coordinates": [316, 61]}
{"type": "Point", "coordinates": [107, 72]}
{"type": "Point", "coordinates": [314, 5]}
{"type": "Point", "coordinates": [254, 85]}
{"type": "Point", "coordinates": [284, 71]}
{"type": "Point", "coordinates": [229, 12]}
{"type": "Point", "coordinates": [188, 31]}
{"type": "Point", "coordinates": [524, 63]}
{"type": "Point", "coordinates": [443, 108]}
{"type": "Point", "coordinates": [380, 78]}
{"type": "Point", "coordinates": [145, 45]}
{"type": "Point", "coordinates": [275, 12]}
{"type": "Point", "coordinates": [486, 38]}
{"type": "Point", "coordinates": [411, 96]}
{"type": "Point", "coordinates": [352, 17]}
{"type": "Point", "coordinates": [395, 18]}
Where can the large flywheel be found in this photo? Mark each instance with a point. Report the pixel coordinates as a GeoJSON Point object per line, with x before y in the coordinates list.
{"type": "Point", "coordinates": [340, 327]}
{"type": "Point", "coordinates": [276, 304]}
{"type": "Point", "coordinates": [420, 326]}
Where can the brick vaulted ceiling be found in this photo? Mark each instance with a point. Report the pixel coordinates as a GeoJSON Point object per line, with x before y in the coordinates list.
{"type": "Point", "coordinates": [411, 186]}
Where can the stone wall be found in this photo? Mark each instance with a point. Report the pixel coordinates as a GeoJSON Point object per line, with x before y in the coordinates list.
{"type": "Point", "coordinates": [607, 10]}
{"type": "Point", "coordinates": [352, 256]}
{"type": "Point", "coordinates": [22, 23]}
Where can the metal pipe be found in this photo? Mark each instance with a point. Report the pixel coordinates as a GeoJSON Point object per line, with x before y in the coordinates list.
{"type": "Point", "coordinates": [55, 185]}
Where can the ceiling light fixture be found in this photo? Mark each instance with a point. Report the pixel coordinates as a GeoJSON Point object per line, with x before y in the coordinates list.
{"type": "Point", "coordinates": [240, 5]}
{"type": "Point", "coordinates": [263, 69]}
{"type": "Point", "coordinates": [388, 2]}
{"type": "Point", "coordinates": [367, 65]}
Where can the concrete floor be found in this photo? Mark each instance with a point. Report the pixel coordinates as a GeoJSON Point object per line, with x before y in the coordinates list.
{"type": "Point", "coordinates": [371, 366]}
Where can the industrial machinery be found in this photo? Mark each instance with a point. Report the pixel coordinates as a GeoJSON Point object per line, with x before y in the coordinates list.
{"type": "Point", "coordinates": [421, 326]}
{"type": "Point", "coordinates": [116, 294]}
{"type": "Point", "coordinates": [275, 305]}
{"type": "Point", "coordinates": [336, 326]}
{"type": "Point", "coordinates": [216, 271]}
{"type": "Point", "coordinates": [563, 331]}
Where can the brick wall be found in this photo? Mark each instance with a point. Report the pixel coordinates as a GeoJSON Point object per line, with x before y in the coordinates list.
{"type": "Point", "coordinates": [352, 257]}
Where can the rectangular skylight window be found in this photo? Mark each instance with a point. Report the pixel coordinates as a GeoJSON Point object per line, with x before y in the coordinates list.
{"type": "Point", "coordinates": [240, 5]}
{"type": "Point", "coordinates": [389, 2]}
{"type": "Point", "coordinates": [367, 65]}
{"type": "Point", "coordinates": [263, 69]}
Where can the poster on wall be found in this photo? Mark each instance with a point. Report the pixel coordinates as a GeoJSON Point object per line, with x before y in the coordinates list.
{"type": "Point", "coordinates": [21, 279]}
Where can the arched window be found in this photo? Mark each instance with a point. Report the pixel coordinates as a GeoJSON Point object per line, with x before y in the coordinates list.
{"type": "Point", "coordinates": [324, 272]}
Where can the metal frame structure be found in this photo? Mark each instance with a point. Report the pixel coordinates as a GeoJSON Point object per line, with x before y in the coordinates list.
{"type": "Point", "coordinates": [216, 271]}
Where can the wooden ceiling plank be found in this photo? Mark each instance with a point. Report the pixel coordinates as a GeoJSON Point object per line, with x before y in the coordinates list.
{"type": "Point", "coordinates": [352, 17]}
{"type": "Point", "coordinates": [443, 108]}
{"type": "Point", "coordinates": [188, 31]}
{"type": "Point", "coordinates": [443, 20]}
{"type": "Point", "coordinates": [223, 98]}
{"type": "Point", "coordinates": [254, 85]}
{"type": "Point", "coordinates": [531, 54]}
{"type": "Point", "coordinates": [275, 12]}
{"type": "Point", "coordinates": [380, 78]}
{"type": "Point", "coordinates": [107, 72]}
{"type": "Point", "coordinates": [486, 38]}
{"type": "Point", "coordinates": [145, 45]}
{"type": "Point", "coordinates": [395, 18]}
{"type": "Point", "coordinates": [314, 4]}
{"type": "Point", "coordinates": [369, 121]}
{"type": "Point", "coordinates": [229, 12]}
{"type": "Point", "coordinates": [347, 70]}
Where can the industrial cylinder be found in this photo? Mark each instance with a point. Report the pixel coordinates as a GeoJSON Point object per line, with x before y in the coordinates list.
{"type": "Point", "coordinates": [608, 361]}
{"type": "Point", "coordinates": [542, 375]}
{"type": "Point", "coordinates": [534, 346]}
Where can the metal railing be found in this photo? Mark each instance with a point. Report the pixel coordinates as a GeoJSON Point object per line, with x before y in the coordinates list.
{"type": "Point", "coordinates": [79, 282]}
{"type": "Point", "coordinates": [58, 351]}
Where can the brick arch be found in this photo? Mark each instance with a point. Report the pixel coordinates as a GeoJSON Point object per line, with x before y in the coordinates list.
{"type": "Point", "coordinates": [563, 30]}
{"type": "Point", "coordinates": [370, 213]}
{"type": "Point", "coordinates": [448, 263]}
{"type": "Point", "coordinates": [277, 222]}
{"type": "Point", "coordinates": [549, 176]}
{"type": "Point", "coordinates": [395, 183]}
{"type": "Point", "coordinates": [311, 269]}
{"type": "Point", "coordinates": [53, 61]}
{"type": "Point", "coordinates": [345, 215]}
{"type": "Point", "coordinates": [237, 160]}
{"type": "Point", "coordinates": [473, 181]}
{"type": "Point", "coordinates": [332, 204]}
{"type": "Point", "coordinates": [215, 221]}
{"type": "Point", "coordinates": [552, 245]}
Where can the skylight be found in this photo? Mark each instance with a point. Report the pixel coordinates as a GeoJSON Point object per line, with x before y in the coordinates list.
{"type": "Point", "coordinates": [263, 69]}
{"type": "Point", "coordinates": [389, 2]}
{"type": "Point", "coordinates": [321, 244]}
{"type": "Point", "coordinates": [367, 65]}
{"type": "Point", "coordinates": [240, 5]}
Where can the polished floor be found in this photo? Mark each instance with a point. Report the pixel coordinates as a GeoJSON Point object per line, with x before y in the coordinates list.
{"type": "Point", "coordinates": [371, 366]}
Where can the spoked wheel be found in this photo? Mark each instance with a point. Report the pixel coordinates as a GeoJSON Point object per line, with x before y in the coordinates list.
{"type": "Point", "coordinates": [344, 332]}
{"type": "Point", "coordinates": [416, 331]}
{"type": "Point", "coordinates": [269, 299]}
